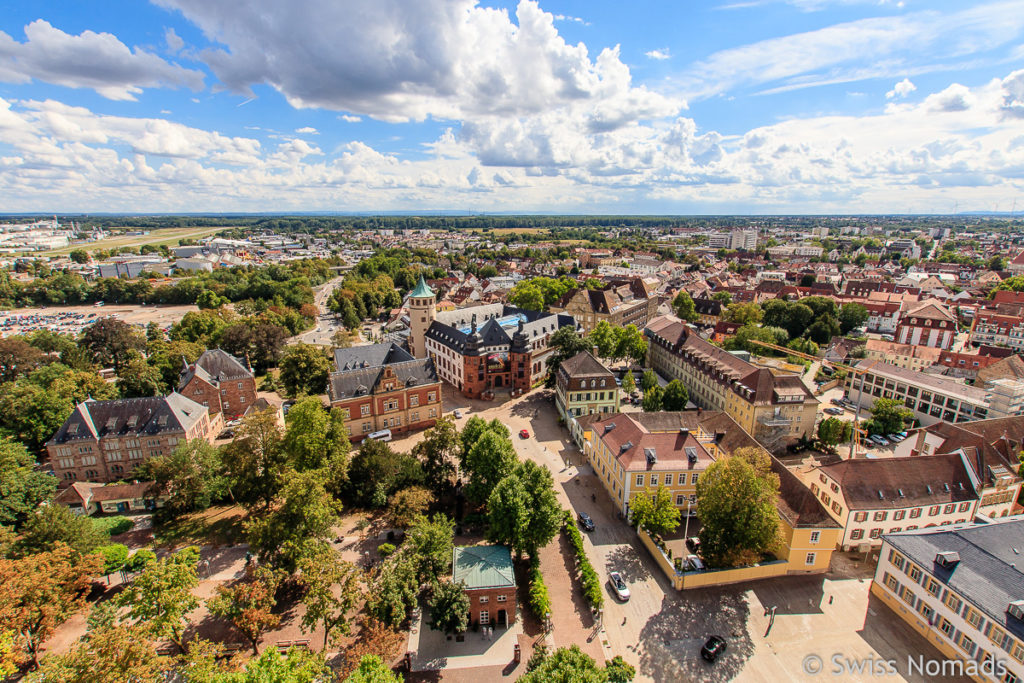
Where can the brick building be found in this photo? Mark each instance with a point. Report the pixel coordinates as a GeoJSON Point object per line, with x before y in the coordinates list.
{"type": "Point", "coordinates": [382, 386]}
{"type": "Point", "coordinates": [104, 441]}
{"type": "Point", "coordinates": [219, 381]}
{"type": "Point", "coordinates": [487, 573]}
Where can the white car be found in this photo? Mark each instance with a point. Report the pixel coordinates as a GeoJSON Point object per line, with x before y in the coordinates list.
{"type": "Point", "coordinates": [880, 440]}
{"type": "Point", "coordinates": [618, 585]}
{"type": "Point", "coordinates": [458, 414]}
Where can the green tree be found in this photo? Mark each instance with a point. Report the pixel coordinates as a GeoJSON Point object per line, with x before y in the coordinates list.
{"type": "Point", "coordinates": [114, 557]}
{"type": "Point", "coordinates": [605, 338]}
{"type": "Point", "coordinates": [743, 314]}
{"type": "Point", "coordinates": [997, 263]}
{"type": "Point", "coordinates": [294, 666]}
{"type": "Point", "coordinates": [631, 344]}
{"type": "Point", "coordinates": [18, 357]}
{"type": "Point", "coordinates": [655, 513]}
{"type": "Point", "coordinates": [832, 431]}
{"type": "Point", "coordinates": [628, 383]}
{"type": "Point", "coordinates": [333, 591]}
{"type": "Point", "coordinates": [407, 503]}
{"type": "Point", "coordinates": [652, 401]}
{"type": "Point", "coordinates": [394, 589]}
{"type": "Point", "coordinates": [618, 670]}
{"type": "Point", "coordinates": [429, 544]}
{"type": "Point", "coordinates": [108, 653]}
{"type": "Point", "coordinates": [566, 665]}
{"type": "Point", "coordinates": [851, 316]}
{"type": "Point", "coordinates": [208, 299]}
{"type": "Point", "coordinates": [79, 255]}
{"type": "Point", "coordinates": [565, 343]}
{"type": "Point", "coordinates": [161, 597]}
{"type": "Point", "coordinates": [304, 370]}
{"type": "Point", "coordinates": [372, 669]}
{"type": "Point", "coordinates": [53, 525]}
{"type": "Point", "coordinates": [249, 604]}
{"type": "Point", "coordinates": [474, 429]}
{"type": "Point", "coordinates": [438, 452]}
{"type": "Point", "coordinates": [376, 472]}
{"type": "Point", "coordinates": [736, 497]}
{"type": "Point", "coordinates": [684, 307]}
{"type": "Point", "coordinates": [302, 521]}
{"type": "Point", "coordinates": [255, 461]}
{"type": "Point", "coordinates": [648, 380]}
{"type": "Point", "coordinates": [675, 397]}
{"type": "Point", "coordinates": [723, 296]}
{"type": "Point", "coordinates": [138, 378]}
{"type": "Point", "coordinates": [449, 607]}
{"type": "Point", "coordinates": [22, 487]}
{"type": "Point", "coordinates": [823, 329]}
{"type": "Point", "coordinates": [110, 340]}
{"type": "Point", "coordinates": [889, 416]}
{"type": "Point", "coordinates": [523, 511]}
{"type": "Point", "coordinates": [311, 440]}
{"type": "Point", "coordinates": [491, 459]}
{"type": "Point", "coordinates": [527, 295]}
{"type": "Point", "coordinates": [190, 476]}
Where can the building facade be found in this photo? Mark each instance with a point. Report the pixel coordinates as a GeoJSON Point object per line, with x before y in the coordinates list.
{"type": "Point", "coordinates": [104, 441]}
{"type": "Point", "coordinates": [87, 498]}
{"type": "Point", "coordinates": [776, 409]}
{"type": "Point", "coordinates": [930, 397]}
{"type": "Point", "coordinates": [620, 303]}
{"type": "Point", "coordinates": [220, 382]}
{"type": "Point", "coordinates": [583, 387]}
{"type": "Point", "coordinates": [487, 573]}
{"type": "Point", "coordinates": [927, 324]}
{"type": "Point", "coordinates": [381, 386]}
{"type": "Point", "coordinates": [873, 497]}
{"type": "Point", "coordinates": [961, 588]}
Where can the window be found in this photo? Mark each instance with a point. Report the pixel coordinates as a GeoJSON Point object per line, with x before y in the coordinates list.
{"type": "Point", "coordinates": [964, 507]}
{"type": "Point", "coordinates": [484, 599]}
{"type": "Point", "coordinates": [898, 515]}
{"type": "Point", "coordinates": [945, 626]}
{"type": "Point", "coordinates": [966, 644]}
{"type": "Point", "coordinates": [693, 478]}
{"type": "Point", "coordinates": [680, 499]}
{"type": "Point", "coordinates": [875, 533]}
{"type": "Point", "coordinates": [414, 400]}
{"type": "Point", "coordinates": [366, 427]}
{"type": "Point", "coordinates": [996, 635]}
{"type": "Point", "coordinates": [433, 412]}
{"type": "Point", "coordinates": [896, 559]}
{"type": "Point", "coordinates": [639, 480]}
{"type": "Point", "coordinates": [909, 597]}
{"type": "Point", "coordinates": [926, 611]}
{"type": "Point", "coordinates": [914, 573]}
{"type": "Point", "coordinates": [880, 516]}
{"type": "Point", "coordinates": [949, 508]}
{"type": "Point", "coordinates": [502, 598]}
{"type": "Point", "coordinates": [860, 516]}
{"type": "Point", "coordinates": [857, 535]}
{"type": "Point", "coordinates": [364, 409]}
{"type": "Point", "coordinates": [654, 480]}
{"type": "Point", "coordinates": [891, 582]}
{"type": "Point", "coordinates": [815, 536]}
{"type": "Point", "coordinates": [934, 510]}
{"type": "Point", "coordinates": [837, 508]}
{"type": "Point", "coordinates": [915, 513]}
{"type": "Point", "coordinates": [432, 396]}
{"type": "Point", "coordinates": [973, 617]}
{"type": "Point", "coordinates": [933, 587]}
{"type": "Point", "coordinates": [809, 559]}
{"type": "Point", "coordinates": [668, 479]}
{"type": "Point", "coordinates": [485, 617]}
{"type": "Point", "coordinates": [953, 602]}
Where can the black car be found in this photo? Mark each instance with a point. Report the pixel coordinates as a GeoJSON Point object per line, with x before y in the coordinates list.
{"type": "Point", "coordinates": [715, 646]}
{"type": "Point", "coordinates": [693, 543]}
{"type": "Point", "coordinates": [586, 521]}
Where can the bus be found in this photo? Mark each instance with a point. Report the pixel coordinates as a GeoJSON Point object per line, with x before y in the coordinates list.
{"type": "Point", "coordinates": [382, 435]}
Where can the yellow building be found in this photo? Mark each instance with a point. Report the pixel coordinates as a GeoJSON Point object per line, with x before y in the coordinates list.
{"type": "Point", "coordinates": [634, 452]}
{"type": "Point", "coordinates": [776, 409]}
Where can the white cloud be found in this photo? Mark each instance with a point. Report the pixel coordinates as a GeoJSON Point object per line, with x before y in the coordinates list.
{"type": "Point", "coordinates": [659, 54]}
{"type": "Point", "coordinates": [566, 17]}
{"type": "Point", "coordinates": [173, 40]}
{"type": "Point", "coordinates": [307, 130]}
{"type": "Point", "coordinates": [867, 48]}
{"type": "Point", "coordinates": [958, 144]}
{"type": "Point", "coordinates": [350, 118]}
{"type": "Point", "coordinates": [395, 60]}
{"type": "Point", "coordinates": [901, 90]}
{"type": "Point", "coordinates": [90, 60]}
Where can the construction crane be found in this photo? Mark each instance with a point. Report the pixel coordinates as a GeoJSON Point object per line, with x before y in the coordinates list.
{"type": "Point", "coordinates": [857, 431]}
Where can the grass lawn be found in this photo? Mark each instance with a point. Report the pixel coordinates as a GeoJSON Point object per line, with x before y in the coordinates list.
{"type": "Point", "coordinates": [162, 236]}
{"type": "Point", "coordinates": [221, 525]}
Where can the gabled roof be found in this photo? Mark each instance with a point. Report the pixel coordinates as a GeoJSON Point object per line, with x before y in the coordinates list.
{"type": "Point", "coordinates": [483, 566]}
{"type": "Point", "coordinates": [130, 416]}
{"type": "Point", "coordinates": [213, 367]}
{"type": "Point", "coordinates": [372, 356]}
{"type": "Point", "coordinates": [583, 364]}
{"type": "Point", "coordinates": [888, 483]}
{"type": "Point", "coordinates": [928, 310]}
{"type": "Point", "coordinates": [1011, 367]}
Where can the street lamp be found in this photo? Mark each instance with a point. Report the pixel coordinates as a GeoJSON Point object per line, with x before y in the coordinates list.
{"type": "Point", "coordinates": [686, 528]}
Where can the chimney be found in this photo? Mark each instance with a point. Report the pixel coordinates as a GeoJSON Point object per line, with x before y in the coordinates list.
{"type": "Point", "coordinates": [593, 350]}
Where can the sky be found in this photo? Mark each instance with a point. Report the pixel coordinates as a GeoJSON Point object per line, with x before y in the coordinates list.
{"type": "Point", "coordinates": [537, 106]}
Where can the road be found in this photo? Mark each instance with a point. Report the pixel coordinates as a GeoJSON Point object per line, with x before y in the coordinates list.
{"type": "Point", "coordinates": [660, 630]}
{"type": "Point", "coordinates": [326, 326]}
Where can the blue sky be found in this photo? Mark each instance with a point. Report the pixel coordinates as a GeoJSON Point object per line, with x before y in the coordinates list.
{"type": "Point", "coordinates": [725, 106]}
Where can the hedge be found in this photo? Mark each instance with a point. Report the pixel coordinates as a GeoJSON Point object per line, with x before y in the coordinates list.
{"type": "Point", "coordinates": [539, 600]}
{"type": "Point", "coordinates": [113, 525]}
{"type": "Point", "coordinates": [588, 577]}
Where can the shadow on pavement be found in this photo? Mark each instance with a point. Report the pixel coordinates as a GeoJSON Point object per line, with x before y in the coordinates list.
{"type": "Point", "coordinates": [792, 594]}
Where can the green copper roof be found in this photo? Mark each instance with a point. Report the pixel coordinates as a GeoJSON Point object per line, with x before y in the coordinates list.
{"type": "Point", "coordinates": [483, 566]}
{"type": "Point", "coordinates": [422, 290]}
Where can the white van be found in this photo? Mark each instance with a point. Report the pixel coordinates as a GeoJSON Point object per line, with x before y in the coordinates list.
{"type": "Point", "coordinates": [382, 435]}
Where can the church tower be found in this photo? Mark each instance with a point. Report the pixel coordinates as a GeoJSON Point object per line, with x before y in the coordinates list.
{"type": "Point", "coordinates": [422, 312]}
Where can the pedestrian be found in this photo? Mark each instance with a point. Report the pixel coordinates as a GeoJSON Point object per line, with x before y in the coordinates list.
{"type": "Point", "coordinates": [623, 621]}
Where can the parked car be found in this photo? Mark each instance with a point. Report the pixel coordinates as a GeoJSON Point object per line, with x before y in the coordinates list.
{"type": "Point", "coordinates": [458, 414]}
{"type": "Point", "coordinates": [586, 521]}
{"type": "Point", "coordinates": [694, 563]}
{"type": "Point", "coordinates": [693, 543]}
{"type": "Point", "coordinates": [880, 440]}
{"type": "Point", "coordinates": [834, 411]}
{"type": "Point", "coordinates": [523, 434]}
{"type": "Point", "coordinates": [226, 434]}
{"type": "Point", "coordinates": [837, 401]}
{"type": "Point", "coordinates": [618, 585]}
{"type": "Point", "coordinates": [714, 646]}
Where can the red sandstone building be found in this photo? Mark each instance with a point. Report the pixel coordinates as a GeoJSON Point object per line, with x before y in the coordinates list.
{"type": "Point", "coordinates": [487, 575]}
{"type": "Point", "coordinates": [219, 381]}
{"type": "Point", "coordinates": [382, 386]}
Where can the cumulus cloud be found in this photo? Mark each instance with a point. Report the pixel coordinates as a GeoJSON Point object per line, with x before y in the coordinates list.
{"type": "Point", "coordinates": [89, 60]}
{"type": "Point", "coordinates": [349, 118]}
{"type": "Point", "coordinates": [660, 54]}
{"type": "Point", "coordinates": [398, 61]}
{"type": "Point", "coordinates": [954, 98]}
{"type": "Point", "coordinates": [307, 130]}
{"type": "Point", "coordinates": [1013, 100]}
{"type": "Point", "coordinates": [901, 90]}
{"type": "Point", "coordinates": [173, 40]}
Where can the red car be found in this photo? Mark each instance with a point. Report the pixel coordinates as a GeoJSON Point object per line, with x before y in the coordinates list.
{"type": "Point", "coordinates": [523, 434]}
